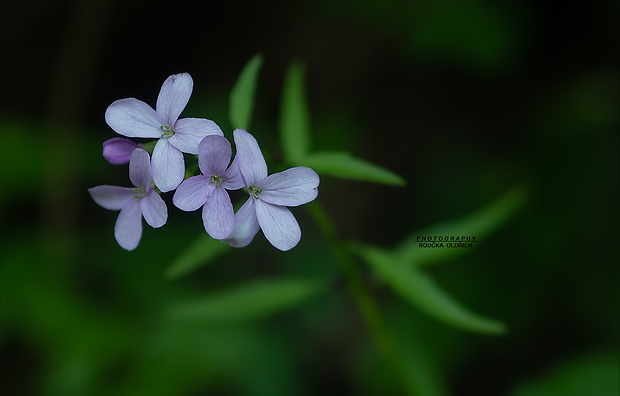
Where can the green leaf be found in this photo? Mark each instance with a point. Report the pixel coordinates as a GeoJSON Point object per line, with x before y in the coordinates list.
{"type": "Point", "coordinates": [593, 374]}
{"type": "Point", "coordinates": [294, 115]}
{"type": "Point", "coordinates": [421, 291]}
{"type": "Point", "coordinates": [200, 252]}
{"type": "Point", "coordinates": [478, 224]}
{"type": "Point", "coordinates": [242, 94]}
{"type": "Point", "coordinates": [345, 166]}
{"type": "Point", "coordinates": [248, 302]}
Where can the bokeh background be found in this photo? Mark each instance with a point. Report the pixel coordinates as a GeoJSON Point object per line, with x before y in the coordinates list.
{"type": "Point", "coordinates": [464, 99]}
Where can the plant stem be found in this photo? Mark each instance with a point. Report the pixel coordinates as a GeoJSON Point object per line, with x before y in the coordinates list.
{"type": "Point", "coordinates": [365, 302]}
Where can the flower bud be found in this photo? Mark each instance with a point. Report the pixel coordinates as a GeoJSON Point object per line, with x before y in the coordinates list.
{"type": "Point", "coordinates": [117, 151]}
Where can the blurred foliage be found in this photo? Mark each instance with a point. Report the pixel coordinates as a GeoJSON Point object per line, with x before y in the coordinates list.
{"type": "Point", "coordinates": [200, 252]}
{"type": "Point", "coordinates": [247, 302]}
{"type": "Point", "coordinates": [463, 100]}
{"type": "Point", "coordinates": [341, 164]}
{"type": "Point", "coordinates": [295, 137]}
{"type": "Point", "coordinates": [242, 95]}
{"type": "Point", "coordinates": [595, 373]}
{"type": "Point", "coordinates": [417, 288]}
{"type": "Point", "coordinates": [480, 224]}
{"type": "Point", "coordinates": [294, 114]}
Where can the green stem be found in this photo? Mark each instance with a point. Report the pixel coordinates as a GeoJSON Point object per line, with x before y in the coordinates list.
{"type": "Point", "coordinates": [366, 303]}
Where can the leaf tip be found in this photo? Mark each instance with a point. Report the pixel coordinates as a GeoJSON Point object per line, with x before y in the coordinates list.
{"type": "Point", "coordinates": [496, 328]}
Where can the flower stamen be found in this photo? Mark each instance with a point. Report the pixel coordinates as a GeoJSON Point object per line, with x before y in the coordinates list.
{"type": "Point", "coordinates": [168, 132]}
{"type": "Point", "coordinates": [216, 179]}
{"type": "Point", "coordinates": [139, 192]}
{"type": "Point", "coordinates": [253, 191]}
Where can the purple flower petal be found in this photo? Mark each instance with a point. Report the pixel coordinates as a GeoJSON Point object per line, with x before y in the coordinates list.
{"type": "Point", "coordinates": [167, 166]}
{"type": "Point", "coordinates": [133, 118]}
{"type": "Point", "coordinates": [218, 215]}
{"type": "Point", "coordinates": [278, 225]}
{"type": "Point", "coordinates": [111, 197]}
{"type": "Point", "coordinates": [193, 193]}
{"type": "Point", "coordinates": [173, 97]}
{"type": "Point", "coordinates": [154, 209]}
{"type": "Point", "coordinates": [232, 179]}
{"type": "Point", "coordinates": [117, 151]}
{"type": "Point", "coordinates": [246, 225]}
{"type": "Point", "coordinates": [250, 159]}
{"type": "Point", "coordinates": [128, 227]}
{"type": "Point", "coordinates": [292, 187]}
{"type": "Point", "coordinates": [214, 154]}
{"type": "Point", "coordinates": [188, 132]}
{"type": "Point", "coordinates": [140, 169]}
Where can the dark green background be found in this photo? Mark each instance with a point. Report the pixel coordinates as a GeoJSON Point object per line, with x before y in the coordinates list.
{"type": "Point", "coordinates": [464, 99]}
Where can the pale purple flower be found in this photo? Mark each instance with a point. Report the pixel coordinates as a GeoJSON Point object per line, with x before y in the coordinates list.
{"type": "Point", "coordinates": [133, 118]}
{"type": "Point", "coordinates": [134, 203]}
{"type": "Point", "coordinates": [117, 151]}
{"type": "Point", "coordinates": [266, 208]}
{"type": "Point", "coordinates": [209, 189]}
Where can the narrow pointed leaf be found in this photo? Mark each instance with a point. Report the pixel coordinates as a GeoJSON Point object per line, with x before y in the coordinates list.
{"type": "Point", "coordinates": [421, 291]}
{"type": "Point", "coordinates": [345, 166]}
{"type": "Point", "coordinates": [248, 302]}
{"type": "Point", "coordinates": [479, 224]}
{"type": "Point", "coordinates": [294, 115]}
{"type": "Point", "coordinates": [199, 253]}
{"type": "Point", "coordinates": [242, 95]}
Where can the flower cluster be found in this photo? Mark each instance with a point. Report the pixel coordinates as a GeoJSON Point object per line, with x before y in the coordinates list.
{"type": "Point", "coordinates": [269, 196]}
